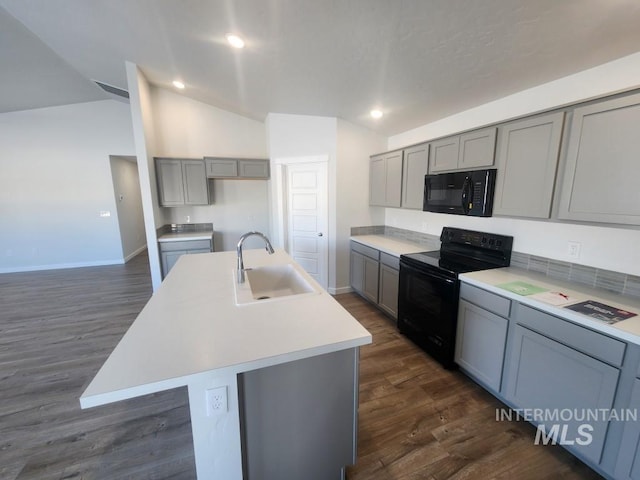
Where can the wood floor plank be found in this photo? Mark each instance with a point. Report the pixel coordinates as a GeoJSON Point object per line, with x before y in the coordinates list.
{"type": "Point", "coordinates": [420, 421]}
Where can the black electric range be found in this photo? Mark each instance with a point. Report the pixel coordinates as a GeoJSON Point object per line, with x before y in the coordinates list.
{"type": "Point", "coordinates": [429, 286]}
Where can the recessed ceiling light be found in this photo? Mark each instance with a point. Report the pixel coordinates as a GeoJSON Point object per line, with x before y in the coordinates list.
{"type": "Point", "coordinates": [235, 41]}
{"type": "Point", "coordinates": [178, 84]}
{"type": "Point", "coordinates": [376, 113]}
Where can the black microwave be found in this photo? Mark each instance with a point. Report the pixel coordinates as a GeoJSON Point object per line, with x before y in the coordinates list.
{"type": "Point", "coordinates": [460, 193]}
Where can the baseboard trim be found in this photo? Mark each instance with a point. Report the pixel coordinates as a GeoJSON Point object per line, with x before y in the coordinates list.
{"type": "Point", "coordinates": [60, 266]}
{"type": "Point", "coordinates": [135, 253]}
{"type": "Point", "coordinates": [339, 290]}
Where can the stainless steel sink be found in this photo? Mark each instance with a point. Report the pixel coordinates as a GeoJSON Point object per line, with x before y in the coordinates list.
{"type": "Point", "coordinates": [269, 283]}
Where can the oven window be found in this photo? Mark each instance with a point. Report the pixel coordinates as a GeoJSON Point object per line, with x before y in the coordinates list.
{"type": "Point", "coordinates": [426, 295]}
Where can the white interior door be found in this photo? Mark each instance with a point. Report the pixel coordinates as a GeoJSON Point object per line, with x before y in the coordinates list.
{"type": "Point", "coordinates": [307, 212]}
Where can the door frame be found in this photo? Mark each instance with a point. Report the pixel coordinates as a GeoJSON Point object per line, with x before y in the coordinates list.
{"type": "Point", "coordinates": [279, 218]}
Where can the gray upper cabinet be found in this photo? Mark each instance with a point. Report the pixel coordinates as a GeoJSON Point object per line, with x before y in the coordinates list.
{"type": "Point", "coordinates": [196, 187]}
{"type": "Point", "coordinates": [414, 168]}
{"type": "Point", "coordinates": [468, 151]}
{"type": "Point", "coordinates": [600, 180]}
{"type": "Point", "coordinates": [444, 154]}
{"type": "Point", "coordinates": [220, 167]}
{"type": "Point", "coordinates": [170, 186]}
{"type": "Point", "coordinates": [477, 149]}
{"type": "Point", "coordinates": [181, 182]}
{"type": "Point", "coordinates": [385, 179]}
{"type": "Point", "coordinates": [253, 168]}
{"type": "Point", "coordinates": [237, 168]}
{"type": "Point", "coordinates": [527, 160]}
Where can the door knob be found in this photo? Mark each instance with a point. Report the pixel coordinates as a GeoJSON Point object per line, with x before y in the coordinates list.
{"type": "Point", "coordinates": [320, 234]}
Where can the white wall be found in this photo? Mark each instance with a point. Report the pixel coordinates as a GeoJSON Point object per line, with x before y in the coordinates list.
{"type": "Point", "coordinates": [188, 128]}
{"type": "Point", "coordinates": [145, 144]}
{"type": "Point", "coordinates": [55, 179]}
{"type": "Point", "coordinates": [128, 198]}
{"type": "Point", "coordinates": [355, 145]}
{"type": "Point", "coordinates": [603, 247]}
{"type": "Point", "coordinates": [347, 148]}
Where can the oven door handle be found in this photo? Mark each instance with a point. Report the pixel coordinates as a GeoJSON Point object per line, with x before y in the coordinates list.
{"type": "Point", "coordinates": [431, 273]}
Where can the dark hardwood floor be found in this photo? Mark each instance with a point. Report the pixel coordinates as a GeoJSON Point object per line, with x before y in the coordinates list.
{"type": "Point", "coordinates": [417, 421]}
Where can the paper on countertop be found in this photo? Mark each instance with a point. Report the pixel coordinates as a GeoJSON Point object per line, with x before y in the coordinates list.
{"type": "Point", "coordinates": [553, 298]}
{"type": "Point", "coordinates": [521, 288]}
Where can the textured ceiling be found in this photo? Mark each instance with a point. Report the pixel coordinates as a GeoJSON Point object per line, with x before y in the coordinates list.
{"type": "Point", "coordinates": [418, 60]}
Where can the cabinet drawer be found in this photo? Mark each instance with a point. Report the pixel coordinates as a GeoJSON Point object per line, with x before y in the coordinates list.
{"type": "Point", "coordinates": [363, 249]}
{"type": "Point", "coordinates": [587, 341]}
{"type": "Point", "coordinates": [185, 245]}
{"type": "Point", "coordinates": [487, 300]}
{"type": "Point", "coordinates": [390, 260]}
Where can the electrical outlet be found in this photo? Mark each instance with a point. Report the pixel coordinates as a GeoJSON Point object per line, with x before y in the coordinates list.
{"type": "Point", "coordinates": [216, 401]}
{"type": "Point", "coordinates": [573, 250]}
{"type": "Point", "coordinates": [188, 218]}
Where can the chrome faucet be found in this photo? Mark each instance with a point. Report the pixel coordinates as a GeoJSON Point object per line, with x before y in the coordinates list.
{"type": "Point", "coordinates": [268, 248]}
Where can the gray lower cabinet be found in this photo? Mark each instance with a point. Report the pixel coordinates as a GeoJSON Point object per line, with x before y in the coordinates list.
{"type": "Point", "coordinates": [480, 344]}
{"type": "Point", "coordinates": [385, 179]}
{"type": "Point", "coordinates": [237, 168]}
{"type": "Point", "coordinates": [299, 419]}
{"type": "Point", "coordinates": [181, 182]}
{"type": "Point", "coordinates": [376, 276]}
{"type": "Point", "coordinates": [388, 283]}
{"type": "Point", "coordinates": [364, 271]}
{"type": "Point", "coordinates": [414, 168]}
{"type": "Point", "coordinates": [171, 251]}
{"type": "Point", "coordinates": [546, 374]}
{"type": "Point", "coordinates": [628, 464]}
{"type": "Point", "coordinates": [602, 167]}
{"type": "Point", "coordinates": [468, 151]}
{"type": "Point", "coordinates": [527, 160]}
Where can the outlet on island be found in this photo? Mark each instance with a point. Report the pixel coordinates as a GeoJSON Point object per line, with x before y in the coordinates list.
{"type": "Point", "coordinates": [216, 401]}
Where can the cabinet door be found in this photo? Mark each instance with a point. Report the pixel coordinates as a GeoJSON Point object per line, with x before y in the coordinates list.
{"type": "Point", "coordinates": [253, 168]}
{"type": "Point", "coordinates": [480, 343]}
{"type": "Point", "coordinates": [377, 181]}
{"type": "Point", "coordinates": [221, 167]}
{"type": "Point", "coordinates": [628, 464]}
{"type": "Point", "coordinates": [170, 184]}
{"type": "Point", "coordinates": [548, 375]}
{"type": "Point", "coordinates": [444, 154]}
{"type": "Point", "coordinates": [357, 271]}
{"type": "Point", "coordinates": [169, 259]}
{"type": "Point", "coordinates": [527, 160]}
{"type": "Point", "coordinates": [393, 179]}
{"type": "Point", "coordinates": [370, 288]}
{"type": "Point", "coordinates": [477, 149]}
{"type": "Point", "coordinates": [414, 168]}
{"type": "Point", "coordinates": [601, 174]}
{"type": "Point", "coordinates": [388, 294]}
{"type": "Point", "coordinates": [196, 188]}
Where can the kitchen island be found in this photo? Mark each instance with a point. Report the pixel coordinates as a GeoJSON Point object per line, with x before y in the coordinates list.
{"type": "Point", "coordinates": [272, 384]}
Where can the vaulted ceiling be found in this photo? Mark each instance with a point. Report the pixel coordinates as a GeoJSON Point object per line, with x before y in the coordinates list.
{"type": "Point", "coordinates": [417, 60]}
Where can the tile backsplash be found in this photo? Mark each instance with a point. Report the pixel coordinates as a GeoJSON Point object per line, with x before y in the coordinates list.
{"type": "Point", "coordinates": [616, 282]}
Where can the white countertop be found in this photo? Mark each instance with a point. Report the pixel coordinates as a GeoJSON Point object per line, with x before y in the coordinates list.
{"type": "Point", "coordinates": [628, 330]}
{"type": "Point", "coordinates": [191, 325]}
{"type": "Point", "coordinates": [184, 236]}
{"type": "Point", "coordinates": [389, 245]}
